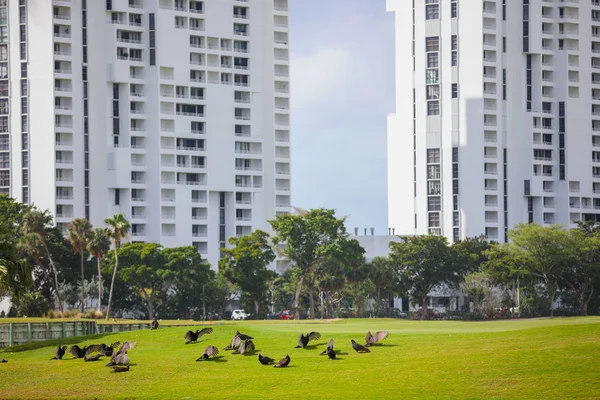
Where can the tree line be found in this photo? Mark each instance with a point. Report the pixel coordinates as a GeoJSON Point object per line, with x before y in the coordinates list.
{"type": "Point", "coordinates": [327, 273]}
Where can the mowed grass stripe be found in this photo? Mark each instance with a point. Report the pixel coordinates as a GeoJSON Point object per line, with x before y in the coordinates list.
{"type": "Point", "coordinates": [543, 359]}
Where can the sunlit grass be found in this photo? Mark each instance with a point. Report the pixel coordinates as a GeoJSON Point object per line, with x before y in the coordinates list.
{"type": "Point", "coordinates": [542, 358]}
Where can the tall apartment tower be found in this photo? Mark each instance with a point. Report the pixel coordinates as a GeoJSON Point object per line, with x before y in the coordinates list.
{"type": "Point", "coordinates": [498, 116]}
{"type": "Point", "coordinates": [172, 112]}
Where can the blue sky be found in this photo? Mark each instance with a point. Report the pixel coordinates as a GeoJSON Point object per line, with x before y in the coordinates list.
{"type": "Point", "coordinates": [342, 88]}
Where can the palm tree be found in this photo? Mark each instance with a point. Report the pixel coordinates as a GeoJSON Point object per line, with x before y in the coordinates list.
{"type": "Point", "coordinates": [119, 229]}
{"type": "Point", "coordinates": [35, 226]}
{"type": "Point", "coordinates": [78, 234]}
{"type": "Point", "coordinates": [15, 278]}
{"type": "Point", "coordinates": [98, 246]}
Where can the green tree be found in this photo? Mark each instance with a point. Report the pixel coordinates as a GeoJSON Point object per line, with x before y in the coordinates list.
{"type": "Point", "coordinates": [144, 268]}
{"type": "Point", "coordinates": [307, 239]}
{"type": "Point", "coordinates": [36, 229]}
{"type": "Point", "coordinates": [32, 304]}
{"type": "Point", "coordinates": [471, 253]}
{"type": "Point", "coordinates": [548, 252]}
{"type": "Point", "coordinates": [98, 245]}
{"type": "Point", "coordinates": [332, 270]}
{"type": "Point", "coordinates": [506, 266]}
{"type": "Point", "coordinates": [245, 265]}
{"type": "Point", "coordinates": [188, 286]}
{"type": "Point", "coordinates": [385, 279]}
{"type": "Point", "coordinates": [15, 274]}
{"type": "Point", "coordinates": [424, 262]}
{"type": "Point", "coordinates": [119, 227]}
{"type": "Point", "coordinates": [582, 274]}
{"type": "Point", "coordinates": [78, 235]}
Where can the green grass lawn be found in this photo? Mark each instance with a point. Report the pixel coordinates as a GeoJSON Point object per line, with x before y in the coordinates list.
{"type": "Point", "coordinates": [525, 359]}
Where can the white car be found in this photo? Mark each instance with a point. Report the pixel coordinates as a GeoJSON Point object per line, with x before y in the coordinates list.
{"type": "Point", "coordinates": [239, 315]}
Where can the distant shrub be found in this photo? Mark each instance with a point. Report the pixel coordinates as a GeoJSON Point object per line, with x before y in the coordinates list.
{"type": "Point", "coordinates": [51, 314]}
{"type": "Point", "coordinates": [32, 304]}
{"type": "Point", "coordinates": [93, 314]}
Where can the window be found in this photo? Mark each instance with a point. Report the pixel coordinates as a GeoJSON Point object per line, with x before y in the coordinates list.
{"type": "Point", "coordinates": [434, 203]}
{"type": "Point", "coordinates": [454, 50]}
{"type": "Point", "coordinates": [433, 108]}
{"type": "Point", "coordinates": [455, 90]}
{"type": "Point", "coordinates": [454, 9]}
{"type": "Point", "coordinates": [433, 92]}
{"type": "Point", "coordinates": [432, 11]}
{"type": "Point", "coordinates": [434, 187]}
{"type": "Point", "coordinates": [4, 178]}
{"type": "Point", "coordinates": [432, 43]}
{"type": "Point", "coordinates": [434, 219]}
{"type": "Point", "coordinates": [433, 171]}
{"type": "Point", "coordinates": [431, 76]}
{"type": "Point", "coordinates": [432, 60]}
{"type": "Point", "coordinates": [433, 156]}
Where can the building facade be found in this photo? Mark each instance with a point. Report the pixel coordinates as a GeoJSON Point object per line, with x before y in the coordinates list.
{"type": "Point", "coordinates": [497, 116]}
{"type": "Point", "coordinates": [172, 112]}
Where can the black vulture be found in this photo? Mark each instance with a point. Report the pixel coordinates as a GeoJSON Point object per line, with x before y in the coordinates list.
{"type": "Point", "coordinates": [109, 350]}
{"type": "Point", "coordinates": [328, 349]}
{"type": "Point", "coordinates": [331, 354]}
{"type": "Point", "coordinates": [60, 352]}
{"type": "Point", "coordinates": [303, 340]}
{"type": "Point", "coordinates": [95, 348]}
{"type": "Point", "coordinates": [247, 346]}
{"type": "Point", "coordinates": [242, 336]}
{"type": "Point", "coordinates": [210, 351]}
{"type": "Point", "coordinates": [192, 336]}
{"type": "Point", "coordinates": [77, 352]}
{"type": "Point", "coordinates": [359, 348]}
{"type": "Point", "coordinates": [120, 363]}
{"type": "Point", "coordinates": [120, 360]}
{"type": "Point", "coordinates": [372, 339]}
{"type": "Point", "coordinates": [235, 343]}
{"type": "Point", "coordinates": [154, 324]}
{"type": "Point", "coordinates": [265, 360]}
{"type": "Point", "coordinates": [4, 360]}
{"type": "Point", "coordinates": [284, 362]}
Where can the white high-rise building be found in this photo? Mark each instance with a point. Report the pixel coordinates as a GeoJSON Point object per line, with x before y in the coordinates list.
{"type": "Point", "coordinates": [497, 116]}
{"type": "Point", "coordinates": [172, 112]}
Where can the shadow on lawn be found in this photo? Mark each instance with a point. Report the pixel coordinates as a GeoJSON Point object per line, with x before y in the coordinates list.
{"type": "Point", "coordinates": [217, 359]}
{"type": "Point", "coordinates": [55, 342]}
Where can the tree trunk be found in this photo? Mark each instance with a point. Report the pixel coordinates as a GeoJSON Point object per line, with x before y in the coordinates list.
{"type": "Point", "coordinates": [424, 307]}
{"type": "Point", "coordinates": [82, 284]}
{"type": "Point", "coordinates": [311, 302]}
{"type": "Point", "coordinates": [149, 305]}
{"type": "Point", "coordinates": [99, 286]}
{"type": "Point", "coordinates": [297, 298]}
{"type": "Point", "coordinates": [112, 283]}
{"type": "Point", "coordinates": [378, 305]}
{"type": "Point", "coordinates": [256, 309]}
{"type": "Point", "coordinates": [327, 304]}
{"type": "Point", "coordinates": [583, 301]}
{"type": "Point", "coordinates": [60, 305]}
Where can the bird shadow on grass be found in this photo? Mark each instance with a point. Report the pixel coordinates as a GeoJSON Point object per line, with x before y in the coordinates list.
{"type": "Point", "coordinates": [218, 359]}
{"type": "Point", "coordinates": [337, 358]}
{"type": "Point", "coordinates": [383, 345]}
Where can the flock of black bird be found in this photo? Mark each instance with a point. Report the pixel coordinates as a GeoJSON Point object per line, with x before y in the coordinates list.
{"type": "Point", "coordinates": [240, 344]}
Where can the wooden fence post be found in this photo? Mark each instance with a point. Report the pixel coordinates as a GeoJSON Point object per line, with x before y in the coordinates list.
{"type": "Point", "coordinates": [64, 330]}
{"type": "Point", "coordinates": [47, 331]}
{"type": "Point", "coordinates": [10, 334]}
{"type": "Point", "coordinates": [29, 331]}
